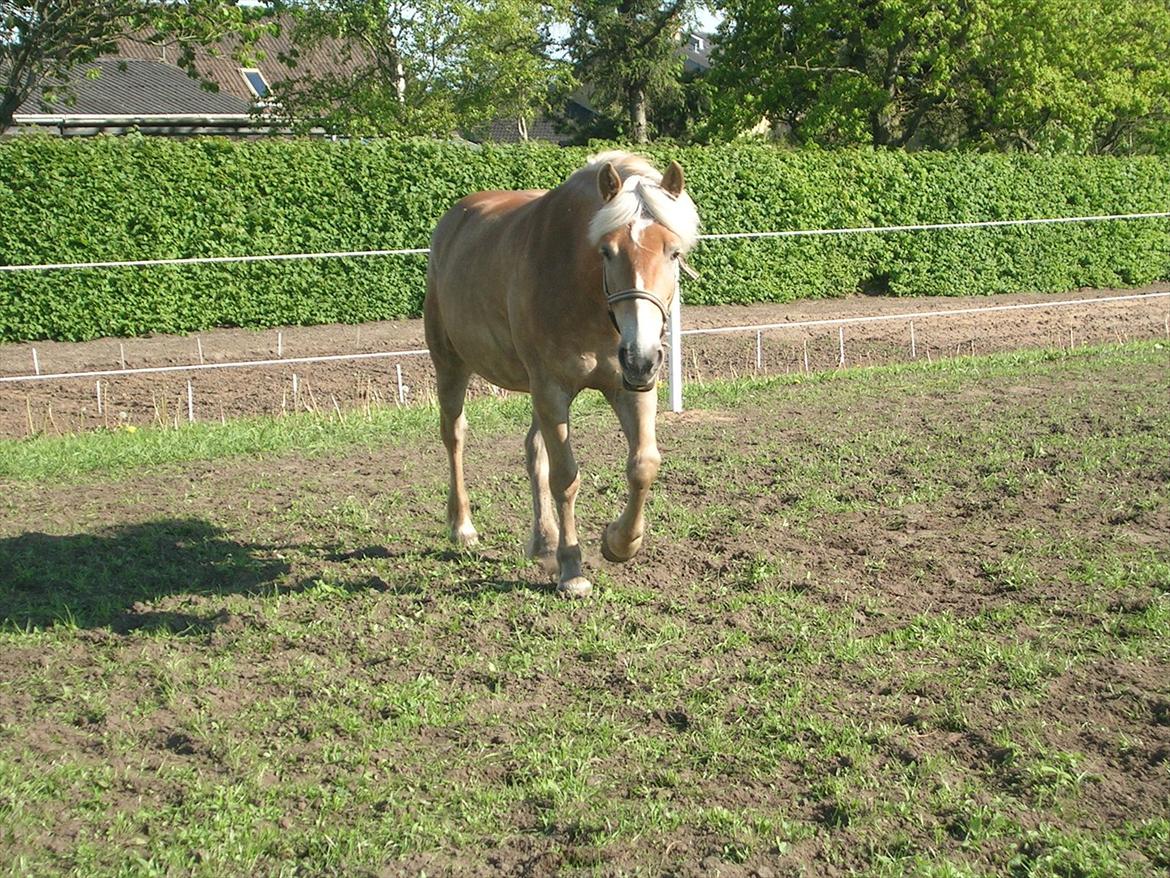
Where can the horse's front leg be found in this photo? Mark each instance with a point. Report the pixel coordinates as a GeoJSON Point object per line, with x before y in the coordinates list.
{"type": "Point", "coordinates": [636, 411]}
{"type": "Point", "coordinates": [551, 408]}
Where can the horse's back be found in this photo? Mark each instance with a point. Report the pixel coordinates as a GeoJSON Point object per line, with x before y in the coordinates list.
{"type": "Point", "coordinates": [483, 215]}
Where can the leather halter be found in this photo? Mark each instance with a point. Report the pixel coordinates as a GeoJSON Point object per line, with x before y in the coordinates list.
{"type": "Point", "coordinates": [612, 299]}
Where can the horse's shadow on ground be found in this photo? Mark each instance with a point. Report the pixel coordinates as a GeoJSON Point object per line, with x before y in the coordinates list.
{"type": "Point", "coordinates": [113, 577]}
{"type": "Point", "coordinates": [100, 579]}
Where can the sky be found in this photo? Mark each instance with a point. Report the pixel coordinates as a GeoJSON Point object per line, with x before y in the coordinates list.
{"type": "Point", "coordinates": [708, 19]}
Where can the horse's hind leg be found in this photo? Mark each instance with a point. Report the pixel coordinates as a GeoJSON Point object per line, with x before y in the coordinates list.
{"type": "Point", "coordinates": [545, 533]}
{"type": "Point", "coordinates": [551, 406]}
{"type": "Point", "coordinates": [452, 389]}
{"type": "Point", "coordinates": [622, 539]}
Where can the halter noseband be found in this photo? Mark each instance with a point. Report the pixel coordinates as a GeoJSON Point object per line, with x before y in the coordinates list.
{"type": "Point", "coordinates": [634, 293]}
{"type": "Point", "coordinates": [612, 299]}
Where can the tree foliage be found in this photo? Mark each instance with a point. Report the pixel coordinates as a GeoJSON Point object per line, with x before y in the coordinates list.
{"type": "Point", "coordinates": [1042, 75]}
{"type": "Point", "coordinates": [422, 68]}
{"type": "Point", "coordinates": [627, 52]}
{"type": "Point", "coordinates": [43, 41]}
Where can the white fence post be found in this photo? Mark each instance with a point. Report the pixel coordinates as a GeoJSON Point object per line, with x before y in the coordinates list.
{"type": "Point", "coordinates": [676, 390]}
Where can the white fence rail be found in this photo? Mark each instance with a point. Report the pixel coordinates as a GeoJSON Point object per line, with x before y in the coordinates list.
{"type": "Point", "coordinates": [676, 331]}
{"type": "Point", "coordinates": [199, 367]}
{"type": "Point", "coordinates": [930, 227]}
{"type": "Point", "coordinates": [919, 315]}
{"type": "Point", "coordinates": [216, 260]}
{"type": "Point", "coordinates": [721, 236]}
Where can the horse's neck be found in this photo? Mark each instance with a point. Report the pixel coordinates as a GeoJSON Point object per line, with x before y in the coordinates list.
{"type": "Point", "coordinates": [565, 213]}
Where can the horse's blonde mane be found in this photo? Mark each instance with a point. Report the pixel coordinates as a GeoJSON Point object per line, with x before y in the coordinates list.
{"type": "Point", "coordinates": [642, 197]}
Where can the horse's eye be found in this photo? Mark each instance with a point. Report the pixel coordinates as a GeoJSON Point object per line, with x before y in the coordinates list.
{"type": "Point", "coordinates": [606, 252]}
{"type": "Point", "coordinates": [675, 254]}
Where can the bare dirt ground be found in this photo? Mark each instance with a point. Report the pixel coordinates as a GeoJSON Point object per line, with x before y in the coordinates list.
{"type": "Point", "coordinates": [868, 636]}
{"type": "Point", "coordinates": [71, 405]}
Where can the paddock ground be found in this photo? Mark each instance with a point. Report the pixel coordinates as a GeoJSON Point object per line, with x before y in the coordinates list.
{"type": "Point", "coordinates": [72, 405]}
{"type": "Point", "coordinates": [909, 620]}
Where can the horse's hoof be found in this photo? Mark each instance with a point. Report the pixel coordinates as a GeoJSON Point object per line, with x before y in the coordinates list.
{"type": "Point", "coordinates": [547, 561]}
{"type": "Point", "coordinates": [543, 554]}
{"type": "Point", "coordinates": [464, 537]}
{"type": "Point", "coordinates": [577, 587]}
{"type": "Point", "coordinates": [607, 550]}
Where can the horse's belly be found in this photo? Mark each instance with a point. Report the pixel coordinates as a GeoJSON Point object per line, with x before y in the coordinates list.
{"type": "Point", "coordinates": [490, 355]}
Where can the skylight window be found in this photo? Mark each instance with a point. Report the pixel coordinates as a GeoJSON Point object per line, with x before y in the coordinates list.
{"type": "Point", "coordinates": [256, 81]}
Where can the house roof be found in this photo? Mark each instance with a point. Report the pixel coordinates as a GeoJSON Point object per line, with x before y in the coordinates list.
{"type": "Point", "coordinates": [277, 58]}
{"type": "Point", "coordinates": [696, 51]}
{"type": "Point", "coordinates": [134, 87]}
{"type": "Point", "coordinates": [143, 79]}
{"type": "Point", "coordinates": [508, 130]}
{"type": "Point", "coordinates": [142, 85]}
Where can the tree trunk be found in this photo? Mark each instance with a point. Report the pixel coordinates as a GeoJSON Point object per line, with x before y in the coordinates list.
{"type": "Point", "coordinates": [389, 61]}
{"type": "Point", "coordinates": [399, 79]}
{"type": "Point", "coordinates": [879, 125]}
{"type": "Point", "coordinates": [10, 102]}
{"type": "Point", "coordinates": [639, 130]}
{"type": "Point", "coordinates": [15, 87]}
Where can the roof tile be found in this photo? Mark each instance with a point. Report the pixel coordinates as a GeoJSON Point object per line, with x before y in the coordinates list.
{"type": "Point", "coordinates": [134, 87]}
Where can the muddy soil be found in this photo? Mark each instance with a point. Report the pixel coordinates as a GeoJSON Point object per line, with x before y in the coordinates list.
{"type": "Point", "coordinates": [72, 405]}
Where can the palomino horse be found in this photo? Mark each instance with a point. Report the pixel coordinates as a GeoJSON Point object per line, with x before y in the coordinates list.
{"type": "Point", "coordinates": [552, 292]}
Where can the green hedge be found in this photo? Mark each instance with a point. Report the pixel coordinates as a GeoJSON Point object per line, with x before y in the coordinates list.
{"type": "Point", "coordinates": [136, 198]}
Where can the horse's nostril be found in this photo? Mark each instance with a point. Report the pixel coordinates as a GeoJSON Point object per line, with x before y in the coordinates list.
{"type": "Point", "coordinates": [638, 365]}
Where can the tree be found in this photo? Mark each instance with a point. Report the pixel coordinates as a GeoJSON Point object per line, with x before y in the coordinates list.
{"type": "Point", "coordinates": [43, 41]}
{"type": "Point", "coordinates": [627, 52]}
{"type": "Point", "coordinates": [1080, 75]}
{"type": "Point", "coordinates": [423, 68]}
{"type": "Point", "coordinates": [684, 118]}
{"type": "Point", "coordinates": [1084, 76]}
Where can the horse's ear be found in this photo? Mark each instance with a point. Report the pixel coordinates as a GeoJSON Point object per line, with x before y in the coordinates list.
{"type": "Point", "coordinates": [672, 180]}
{"type": "Point", "coordinates": [609, 183]}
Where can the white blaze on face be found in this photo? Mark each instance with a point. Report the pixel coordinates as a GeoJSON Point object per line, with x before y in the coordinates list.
{"type": "Point", "coordinates": [640, 325]}
{"type": "Point", "coordinates": [638, 226]}
{"type": "Point", "coordinates": [640, 322]}
{"type": "Point", "coordinates": [646, 332]}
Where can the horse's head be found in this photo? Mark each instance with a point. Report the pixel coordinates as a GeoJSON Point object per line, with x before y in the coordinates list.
{"type": "Point", "coordinates": [644, 228]}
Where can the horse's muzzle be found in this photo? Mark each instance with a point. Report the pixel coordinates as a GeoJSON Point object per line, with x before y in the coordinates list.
{"type": "Point", "coordinates": [639, 372]}
{"type": "Point", "coordinates": [644, 388]}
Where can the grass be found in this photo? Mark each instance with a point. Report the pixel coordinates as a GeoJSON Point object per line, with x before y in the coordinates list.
{"type": "Point", "coordinates": [110, 453]}
{"type": "Point", "coordinates": [890, 622]}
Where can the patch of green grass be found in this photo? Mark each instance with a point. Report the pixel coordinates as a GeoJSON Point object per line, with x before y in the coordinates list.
{"type": "Point", "coordinates": [114, 453]}
{"type": "Point", "coordinates": [857, 640]}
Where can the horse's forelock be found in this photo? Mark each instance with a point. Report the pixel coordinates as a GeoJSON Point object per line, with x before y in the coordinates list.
{"type": "Point", "coordinates": [625, 162]}
{"type": "Point", "coordinates": [676, 213]}
{"type": "Point", "coordinates": [643, 196]}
